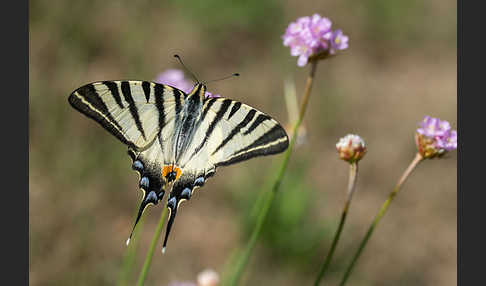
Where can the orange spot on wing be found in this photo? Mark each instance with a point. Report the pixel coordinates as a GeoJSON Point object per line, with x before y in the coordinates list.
{"type": "Point", "coordinates": [168, 168]}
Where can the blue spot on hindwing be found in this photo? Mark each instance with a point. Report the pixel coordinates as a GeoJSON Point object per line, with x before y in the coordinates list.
{"type": "Point", "coordinates": [199, 182]}
{"type": "Point", "coordinates": [144, 183]}
{"type": "Point", "coordinates": [138, 166]}
{"type": "Point", "coordinates": [186, 194]}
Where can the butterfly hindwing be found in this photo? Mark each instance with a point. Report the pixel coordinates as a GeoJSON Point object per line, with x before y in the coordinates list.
{"type": "Point", "coordinates": [148, 164]}
{"type": "Point", "coordinates": [133, 111]}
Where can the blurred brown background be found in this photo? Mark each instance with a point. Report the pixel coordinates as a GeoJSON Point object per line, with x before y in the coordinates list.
{"type": "Point", "coordinates": [400, 66]}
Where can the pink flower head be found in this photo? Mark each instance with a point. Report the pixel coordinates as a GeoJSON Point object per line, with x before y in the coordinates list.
{"type": "Point", "coordinates": [433, 127]}
{"type": "Point", "coordinates": [311, 35]}
{"type": "Point", "coordinates": [435, 137]}
{"type": "Point", "coordinates": [175, 78]}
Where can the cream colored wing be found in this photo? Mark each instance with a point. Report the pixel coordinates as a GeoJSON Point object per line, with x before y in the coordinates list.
{"type": "Point", "coordinates": [133, 111]}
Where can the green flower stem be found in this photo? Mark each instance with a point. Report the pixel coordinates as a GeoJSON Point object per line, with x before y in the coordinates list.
{"type": "Point", "coordinates": [353, 176]}
{"type": "Point", "coordinates": [244, 256]}
{"type": "Point", "coordinates": [418, 158]}
{"type": "Point", "coordinates": [130, 254]}
{"type": "Point", "coordinates": [150, 252]}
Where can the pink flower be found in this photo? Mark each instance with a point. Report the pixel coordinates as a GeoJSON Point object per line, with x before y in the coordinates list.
{"type": "Point", "coordinates": [435, 137]}
{"type": "Point", "coordinates": [309, 36]}
{"type": "Point", "coordinates": [175, 78]}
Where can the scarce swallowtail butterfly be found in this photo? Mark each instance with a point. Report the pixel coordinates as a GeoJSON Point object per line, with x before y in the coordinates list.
{"type": "Point", "coordinates": [176, 139]}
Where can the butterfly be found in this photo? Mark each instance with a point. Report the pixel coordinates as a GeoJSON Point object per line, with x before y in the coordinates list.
{"type": "Point", "coordinates": [177, 140]}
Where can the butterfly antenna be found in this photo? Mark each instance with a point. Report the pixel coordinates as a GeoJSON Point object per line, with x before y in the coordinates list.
{"type": "Point", "coordinates": [223, 78]}
{"type": "Point", "coordinates": [188, 70]}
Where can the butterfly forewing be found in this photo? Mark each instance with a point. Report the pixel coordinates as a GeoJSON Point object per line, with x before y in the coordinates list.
{"type": "Point", "coordinates": [231, 132]}
{"type": "Point", "coordinates": [133, 111]}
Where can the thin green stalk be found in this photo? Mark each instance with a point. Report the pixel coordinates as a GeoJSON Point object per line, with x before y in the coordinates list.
{"type": "Point", "coordinates": [130, 254]}
{"type": "Point", "coordinates": [243, 258]}
{"type": "Point", "coordinates": [353, 176]}
{"type": "Point", "coordinates": [150, 252]}
{"type": "Point", "coordinates": [418, 158]}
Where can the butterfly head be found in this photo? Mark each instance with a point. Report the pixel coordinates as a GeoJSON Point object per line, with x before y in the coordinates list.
{"type": "Point", "coordinates": [199, 90]}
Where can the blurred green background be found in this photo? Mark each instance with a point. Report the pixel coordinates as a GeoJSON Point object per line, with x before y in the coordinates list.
{"type": "Point", "coordinates": [400, 66]}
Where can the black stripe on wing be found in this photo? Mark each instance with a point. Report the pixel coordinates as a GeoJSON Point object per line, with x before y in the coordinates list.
{"type": "Point", "coordinates": [219, 115]}
{"type": "Point", "coordinates": [178, 100]}
{"type": "Point", "coordinates": [113, 87]}
{"type": "Point", "coordinates": [235, 108]}
{"type": "Point", "coordinates": [260, 118]}
{"type": "Point", "coordinates": [273, 141]}
{"type": "Point", "coordinates": [206, 109]}
{"type": "Point", "coordinates": [203, 117]}
{"type": "Point", "coordinates": [159, 103]}
{"type": "Point", "coordinates": [87, 101]}
{"type": "Point", "coordinates": [249, 116]}
{"type": "Point", "coordinates": [146, 90]}
{"type": "Point", "coordinates": [127, 94]}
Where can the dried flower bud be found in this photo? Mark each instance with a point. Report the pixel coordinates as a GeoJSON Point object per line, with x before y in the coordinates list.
{"type": "Point", "coordinates": [208, 277]}
{"type": "Point", "coordinates": [435, 138]}
{"type": "Point", "coordinates": [351, 148]}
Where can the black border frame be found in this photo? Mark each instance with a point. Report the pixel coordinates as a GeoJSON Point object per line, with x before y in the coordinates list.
{"type": "Point", "coordinates": [15, 143]}
{"type": "Point", "coordinates": [470, 109]}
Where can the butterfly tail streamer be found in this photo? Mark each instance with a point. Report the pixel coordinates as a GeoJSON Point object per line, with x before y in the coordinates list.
{"type": "Point", "coordinates": [150, 198]}
{"type": "Point", "coordinates": [172, 206]}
